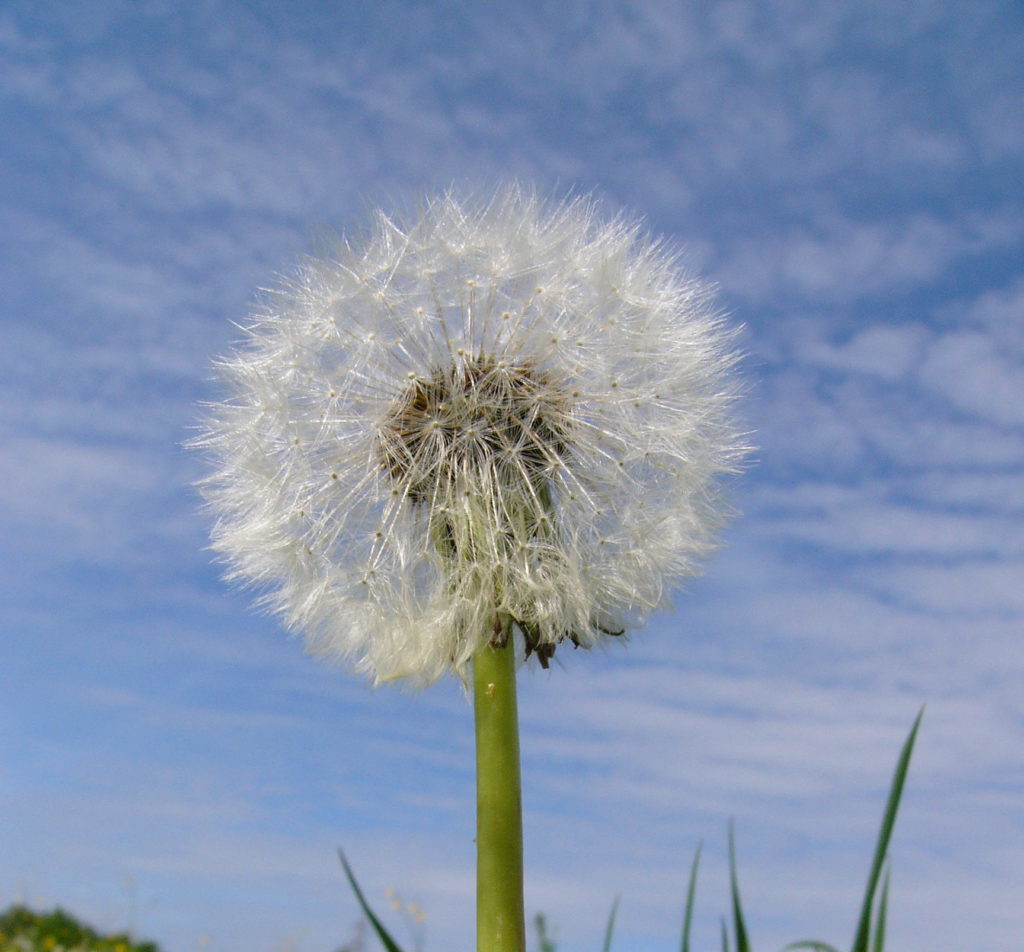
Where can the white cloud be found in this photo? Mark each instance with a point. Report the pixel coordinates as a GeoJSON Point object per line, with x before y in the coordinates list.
{"type": "Point", "coordinates": [965, 588]}
{"type": "Point", "coordinates": [968, 369]}
{"type": "Point", "coordinates": [883, 350]}
{"type": "Point", "coordinates": [867, 527]}
{"type": "Point", "coordinates": [999, 492]}
{"type": "Point", "coordinates": [70, 491]}
{"type": "Point", "coordinates": [843, 260]}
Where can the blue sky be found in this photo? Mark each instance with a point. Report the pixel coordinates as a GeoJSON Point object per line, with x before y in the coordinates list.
{"type": "Point", "coordinates": [849, 174]}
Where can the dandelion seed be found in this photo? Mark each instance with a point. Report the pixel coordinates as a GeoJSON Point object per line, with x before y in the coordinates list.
{"type": "Point", "coordinates": [472, 467]}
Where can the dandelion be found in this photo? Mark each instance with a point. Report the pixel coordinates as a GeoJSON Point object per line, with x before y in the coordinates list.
{"type": "Point", "coordinates": [509, 408]}
{"type": "Point", "coordinates": [498, 420]}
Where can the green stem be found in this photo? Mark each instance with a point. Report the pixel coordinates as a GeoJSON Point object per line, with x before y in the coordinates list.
{"type": "Point", "coordinates": [500, 921]}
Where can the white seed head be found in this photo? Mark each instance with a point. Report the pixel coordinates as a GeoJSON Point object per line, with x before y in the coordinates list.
{"type": "Point", "coordinates": [508, 406]}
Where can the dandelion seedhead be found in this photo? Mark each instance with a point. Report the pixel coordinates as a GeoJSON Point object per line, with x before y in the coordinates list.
{"type": "Point", "coordinates": [507, 407]}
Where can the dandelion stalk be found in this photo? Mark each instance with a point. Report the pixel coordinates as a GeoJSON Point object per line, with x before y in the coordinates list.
{"type": "Point", "coordinates": [499, 820]}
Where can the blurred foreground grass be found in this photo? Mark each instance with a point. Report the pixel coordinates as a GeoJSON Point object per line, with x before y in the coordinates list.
{"type": "Point", "coordinates": [23, 930]}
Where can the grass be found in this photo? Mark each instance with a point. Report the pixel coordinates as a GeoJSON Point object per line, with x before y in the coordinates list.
{"type": "Point", "coordinates": [24, 930]}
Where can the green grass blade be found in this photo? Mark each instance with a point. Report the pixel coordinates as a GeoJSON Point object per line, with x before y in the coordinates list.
{"type": "Point", "coordinates": [691, 892]}
{"type": "Point", "coordinates": [390, 944]}
{"type": "Point", "coordinates": [811, 944]}
{"type": "Point", "coordinates": [742, 942]}
{"type": "Point", "coordinates": [544, 942]}
{"type": "Point", "coordinates": [883, 908]}
{"type": "Point", "coordinates": [725, 936]}
{"type": "Point", "coordinates": [611, 926]}
{"type": "Point", "coordinates": [860, 942]}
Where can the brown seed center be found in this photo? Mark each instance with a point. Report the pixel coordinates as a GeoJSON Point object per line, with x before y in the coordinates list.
{"type": "Point", "coordinates": [475, 420]}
